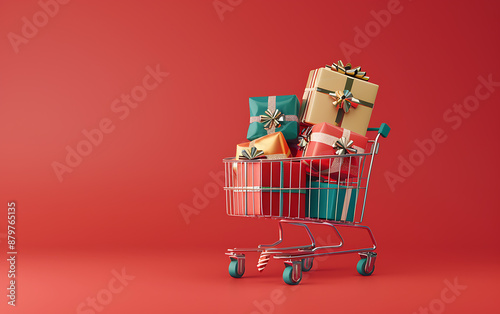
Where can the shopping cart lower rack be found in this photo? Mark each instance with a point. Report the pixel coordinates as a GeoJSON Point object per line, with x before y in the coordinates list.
{"type": "Point", "coordinates": [328, 190]}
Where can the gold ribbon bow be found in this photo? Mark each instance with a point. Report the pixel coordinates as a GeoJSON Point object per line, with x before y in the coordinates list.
{"type": "Point", "coordinates": [344, 100]}
{"type": "Point", "coordinates": [252, 153]}
{"type": "Point", "coordinates": [305, 137]}
{"type": "Point", "coordinates": [344, 147]}
{"type": "Point", "coordinates": [348, 70]}
{"type": "Point", "coordinates": [272, 119]}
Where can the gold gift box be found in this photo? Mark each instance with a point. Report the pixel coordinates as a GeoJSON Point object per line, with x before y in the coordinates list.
{"type": "Point", "coordinates": [318, 106]}
{"type": "Point", "coordinates": [273, 145]}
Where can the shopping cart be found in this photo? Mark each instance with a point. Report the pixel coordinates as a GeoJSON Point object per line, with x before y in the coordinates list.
{"type": "Point", "coordinates": [328, 190]}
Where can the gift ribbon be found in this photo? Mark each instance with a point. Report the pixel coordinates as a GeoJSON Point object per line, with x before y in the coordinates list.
{"type": "Point", "coordinates": [272, 118]}
{"type": "Point", "coordinates": [269, 189]}
{"type": "Point", "coordinates": [305, 137]}
{"type": "Point", "coordinates": [344, 146]}
{"type": "Point", "coordinates": [331, 140]}
{"type": "Point", "coordinates": [354, 102]}
{"type": "Point", "coordinates": [251, 153]}
{"type": "Point", "coordinates": [344, 100]}
{"type": "Point", "coordinates": [348, 70]}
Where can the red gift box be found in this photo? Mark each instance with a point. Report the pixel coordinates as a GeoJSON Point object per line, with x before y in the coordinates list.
{"type": "Point", "coordinates": [322, 142]}
{"type": "Point", "coordinates": [270, 188]}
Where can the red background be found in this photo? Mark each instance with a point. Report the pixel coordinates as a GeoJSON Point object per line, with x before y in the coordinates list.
{"type": "Point", "coordinates": [120, 206]}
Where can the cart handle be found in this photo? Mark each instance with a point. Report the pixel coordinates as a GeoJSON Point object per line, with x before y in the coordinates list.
{"type": "Point", "coordinates": [383, 130]}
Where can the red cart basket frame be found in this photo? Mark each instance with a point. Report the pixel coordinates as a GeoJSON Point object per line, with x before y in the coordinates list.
{"type": "Point", "coordinates": [329, 195]}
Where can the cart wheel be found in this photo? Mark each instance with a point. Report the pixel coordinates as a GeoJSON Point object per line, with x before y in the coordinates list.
{"type": "Point", "coordinates": [361, 267]}
{"type": "Point", "coordinates": [237, 268]}
{"type": "Point", "coordinates": [289, 277]}
{"type": "Point", "coordinates": [307, 263]}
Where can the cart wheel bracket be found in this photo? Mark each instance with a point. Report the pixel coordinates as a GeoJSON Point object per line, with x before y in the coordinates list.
{"type": "Point", "coordinates": [239, 260]}
{"type": "Point", "coordinates": [292, 274]}
{"type": "Point", "coordinates": [370, 260]}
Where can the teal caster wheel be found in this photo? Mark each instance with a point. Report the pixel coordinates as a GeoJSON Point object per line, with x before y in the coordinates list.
{"type": "Point", "coordinates": [292, 274]}
{"type": "Point", "coordinates": [366, 265]}
{"type": "Point", "coordinates": [237, 266]}
{"type": "Point", "coordinates": [307, 263]}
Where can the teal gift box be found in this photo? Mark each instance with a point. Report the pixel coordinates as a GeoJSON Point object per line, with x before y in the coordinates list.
{"type": "Point", "coordinates": [274, 114]}
{"type": "Point", "coordinates": [330, 201]}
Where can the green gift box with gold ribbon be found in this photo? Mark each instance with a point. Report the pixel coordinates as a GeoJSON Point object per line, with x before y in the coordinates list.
{"type": "Point", "coordinates": [339, 95]}
{"type": "Point", "coordinates": [274, 114]}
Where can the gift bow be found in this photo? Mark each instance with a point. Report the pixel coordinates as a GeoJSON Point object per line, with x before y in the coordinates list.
{"type": "Point", "coordinates": [252, 153]}
{"type": "Point", "coordinates": [272, 119]}
{"type": "Point", "coordinates": [344, 100]}
{"type": "Point", "coordinates": [344, 147]}
{"type": "Point", "coordinates": [348, 70]}
{"type": "Point", "coordinates": [305, 137]}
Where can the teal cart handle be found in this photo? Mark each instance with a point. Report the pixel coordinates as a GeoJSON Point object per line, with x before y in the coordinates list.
{"type": "Point", "coordinates": [384, 130]}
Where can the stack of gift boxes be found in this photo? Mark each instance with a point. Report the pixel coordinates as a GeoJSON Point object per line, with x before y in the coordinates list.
{"type": "Point", "coordinates": [332, 120]}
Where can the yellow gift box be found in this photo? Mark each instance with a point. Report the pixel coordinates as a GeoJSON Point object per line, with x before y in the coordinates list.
{"type": "Point", "coordinates": [273, 145]}
{"type": "Point", "coordinates": [324, 96]}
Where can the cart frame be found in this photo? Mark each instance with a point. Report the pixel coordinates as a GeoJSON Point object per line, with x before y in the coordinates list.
{"type": "Point", "coordinates": [300, 258]}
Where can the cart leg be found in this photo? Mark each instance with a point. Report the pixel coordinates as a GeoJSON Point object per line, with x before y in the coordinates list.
{"type": "Point", "coordinates": [309, 233]}
{"type": "Point", "coordinates": [366, 265]}
{"type": "Point", "coordinates": [292, 274]}
{"type": "Point", "coordinates": [281, 222]}
{"type": "Point", "coordinates": [280, 232]}
{"type": "Point", "coordinates": [237, 265]}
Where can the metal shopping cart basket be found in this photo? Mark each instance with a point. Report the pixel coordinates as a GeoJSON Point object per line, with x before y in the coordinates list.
{"type": "Point", "coordinates": [303, 191]}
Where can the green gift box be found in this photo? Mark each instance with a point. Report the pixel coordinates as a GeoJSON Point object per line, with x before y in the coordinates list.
{"type": "Point", "coordinates": [330, 201]}
{"type": "Point", "coordinates": [274, 114]}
